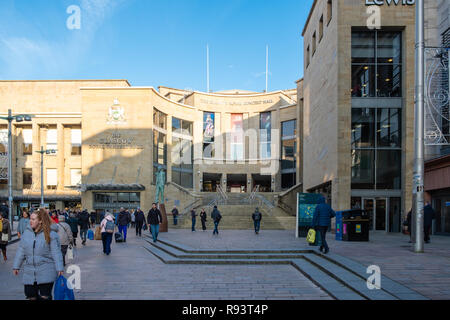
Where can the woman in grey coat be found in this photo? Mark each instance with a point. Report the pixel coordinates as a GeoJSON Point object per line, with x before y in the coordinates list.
{"type": "Point", "coordinates": [40, 252]}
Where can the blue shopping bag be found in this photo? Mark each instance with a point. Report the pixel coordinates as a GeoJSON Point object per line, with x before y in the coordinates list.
{"type": "Point", "coordinates": [90, 234]}
{"type": "Point", "coordinates": [62, 291]}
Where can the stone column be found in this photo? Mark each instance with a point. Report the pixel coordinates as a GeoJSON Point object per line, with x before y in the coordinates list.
{"type": "Point", "coordinates": [60, 157]}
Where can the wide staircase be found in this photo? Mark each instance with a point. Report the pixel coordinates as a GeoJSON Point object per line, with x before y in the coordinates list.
{"type": "Point", "coordinates": [236, 210]}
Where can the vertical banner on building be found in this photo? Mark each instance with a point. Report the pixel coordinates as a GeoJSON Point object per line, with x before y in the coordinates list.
{"type": "Point", "coordinates": [266, 129]}
{"type": "Point", "coordinates": [4, 154]}
{"type": "Point", "coordinates": [237, 136]}
{"type": "Point", "coordinates": [208, 127]}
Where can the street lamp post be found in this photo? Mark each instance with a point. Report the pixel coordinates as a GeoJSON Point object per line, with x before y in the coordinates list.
{"type": "Point", "coordinates": [10, 118]}
{"type": "Point", "coordinates": [419, 127]}
{"type": "Point", "coordinates": [42, 152]}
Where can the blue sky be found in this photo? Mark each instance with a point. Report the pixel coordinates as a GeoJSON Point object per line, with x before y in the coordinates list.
{"type": "Point", "coordinates": [153, 43]}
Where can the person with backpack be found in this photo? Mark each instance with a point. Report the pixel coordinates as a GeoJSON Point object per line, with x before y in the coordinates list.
{"type": "Point", "coordinates": [216, 216]}
{"type": "Point", "coordinates": [203, 219]}
{"type": "Point", "coordinates": [257, 217]}
{"type": "Point", "coordinates": [39, 249]}
{"type": "Point", "coordinates": [83, 221]}
{"type": "Point", "coordinates": [123, 221]}
{"type": "Point", "coordinates": [107, 227]}
{"type": "Point", "coordinates": [73, 223]}
{"type": "Point", "coordinates": [154, 219]}
{"type": "Point", "coordinates": [194, 219]}
{"type": "Point", "coordinates": [140, 221]}
{"type": "Point", "coordinates": [65, 236]}
{"type": "Point", "coordinates": [322, 222]}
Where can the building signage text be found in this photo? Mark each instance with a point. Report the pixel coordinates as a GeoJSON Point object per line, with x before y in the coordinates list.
{"type": "Point", "coordinates": [389, 2]}
{"type": "Point", "coordinates": [116, 141]}
{"type": "Point", "coordinates": [236, 103]}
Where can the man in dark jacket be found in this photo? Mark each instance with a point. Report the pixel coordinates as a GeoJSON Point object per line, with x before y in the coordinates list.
{"type": "Point", "coordinates": [73, 223]}
{"type": "Point", "coordinates": [175, 214]}
{"type": "Point", "coordinates": [429, 216]}
{"type": "Point", "coordinates": [154, 219]}
{"type": "Point", "coordinates": [257, 217]}
{"type": "Point", "coordinates": [124, 219]}
{"type": "Point", "coordinates": [322, 222]}
{"type": "Point", "coordinates": [194, 219]}
{"type": "Point", "coordinates": [140, 220]}
{"type": "Point", "coordinates": [83, 221]}
{"type": "Point", "coordinates": [216, 216]}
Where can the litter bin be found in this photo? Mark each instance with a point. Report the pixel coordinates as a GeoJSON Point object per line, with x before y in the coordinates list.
{"type": "Point", "coordinates": [355, 225]}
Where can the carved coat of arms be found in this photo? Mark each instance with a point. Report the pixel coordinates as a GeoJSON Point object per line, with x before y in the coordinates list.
{"type": "Point", "coordinates": [116, 114]}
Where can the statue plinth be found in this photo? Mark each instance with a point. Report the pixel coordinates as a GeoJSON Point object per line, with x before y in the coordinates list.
{"type": "Point", "coordinates": [164, 227]}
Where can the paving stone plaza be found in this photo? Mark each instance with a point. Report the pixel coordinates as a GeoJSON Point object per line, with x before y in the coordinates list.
{"type": "Point", "coordinates": [239, 265]}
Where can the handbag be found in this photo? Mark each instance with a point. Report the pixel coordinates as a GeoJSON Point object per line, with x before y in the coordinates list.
{"type": "Point", "coordinates": [70, 255]}
{"type": "Point", "coordinates": [98, 233]}
{"type": "Point", "coordinates": [62, 291]}
{"type": "Point", "coordinates": [5, 237]}
{"type": "Point", "coordinates": [145, 227]}
{"type": "Point", "coordinates": [311, 238]}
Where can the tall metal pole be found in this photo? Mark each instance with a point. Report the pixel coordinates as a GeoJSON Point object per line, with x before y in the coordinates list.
{"type": "Point", "coordinates": [10, 192]}
{"type": "Point", "coordinates": [207, 68]}
{"type": "Point", "coordinates": [267, 68]}
{"type": "Point", "coordinates": [419, 126]}
{"type": "Point", "coordinates": [42, 177]}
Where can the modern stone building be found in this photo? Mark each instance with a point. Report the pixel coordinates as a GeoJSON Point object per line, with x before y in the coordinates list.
{"type": "Point", "coordinates": [111, 137]}
{"type": "Point", "coordinates": [358, 106]}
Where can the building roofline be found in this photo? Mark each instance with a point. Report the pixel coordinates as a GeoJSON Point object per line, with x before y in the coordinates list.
{"type": "Point", "coordinates": [80, 80]}
{"type": "Point", "coordinates": [309, 17]}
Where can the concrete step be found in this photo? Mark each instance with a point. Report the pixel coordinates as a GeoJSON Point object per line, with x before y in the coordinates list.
{"type": "Point", "coordinates": [170, 255]}
{"type": "Point", "coordinates": [341, 277]}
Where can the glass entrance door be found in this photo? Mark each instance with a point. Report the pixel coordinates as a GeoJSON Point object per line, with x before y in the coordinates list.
{"type": "Point", "coordinates": [368, 205]}
{"type": "Point", "coordinates": [377, 209]}
{"type": "Point", "coordinates": [380, 218]}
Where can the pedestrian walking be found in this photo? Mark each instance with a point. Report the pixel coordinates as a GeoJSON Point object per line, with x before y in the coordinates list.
{"type": "Point", "coordinates": [194, 219]}
{"type": "Point", "coordinates": [203, 219]}
{"type": "Point", "coordinates": [5, 235]}
{"type": "Point", "coordinates": [123, 221]}
{"type": "Point", "coordinates": [133, 218]}
{"type": "Point", "coordinates": [140, 221]}
{"type": "Point", "coordinates": [154, 220]}
{"type": "Point", "coordinates": [23, 223]}
{"type": "Point", "coordinates": [107, 228]}
{"type": "Point", "coordinates": [322, 222]}
{"type": "Point", "coordinates": [40, 252]}
{"type": "Point", "coordinates": [257, 217]}
{"type": "Point", "coordinates": [93, 218]}
{"type": "Point", "coordinates": [65, 237]}
{"type": "Point", "coordinates": [407, 224]}
{"type": "Point", "coordinates": [175, 214]}
{"type": "Point", "coordinates": [216, 216]}
{"type": "Point", "coordinates": [429, 216]}
{"type": "Point", "coordinates": [55, 217]}
{"type": "Point", "coordinates": [83, 221]}
{"type": "Point", "coordinates": [73, 223]}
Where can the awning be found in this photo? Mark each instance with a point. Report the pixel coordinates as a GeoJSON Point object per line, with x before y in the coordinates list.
{"type": "Point", "coordinates": [37, 198]}
{"type": "Point", "coordinates": [113, 187]}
